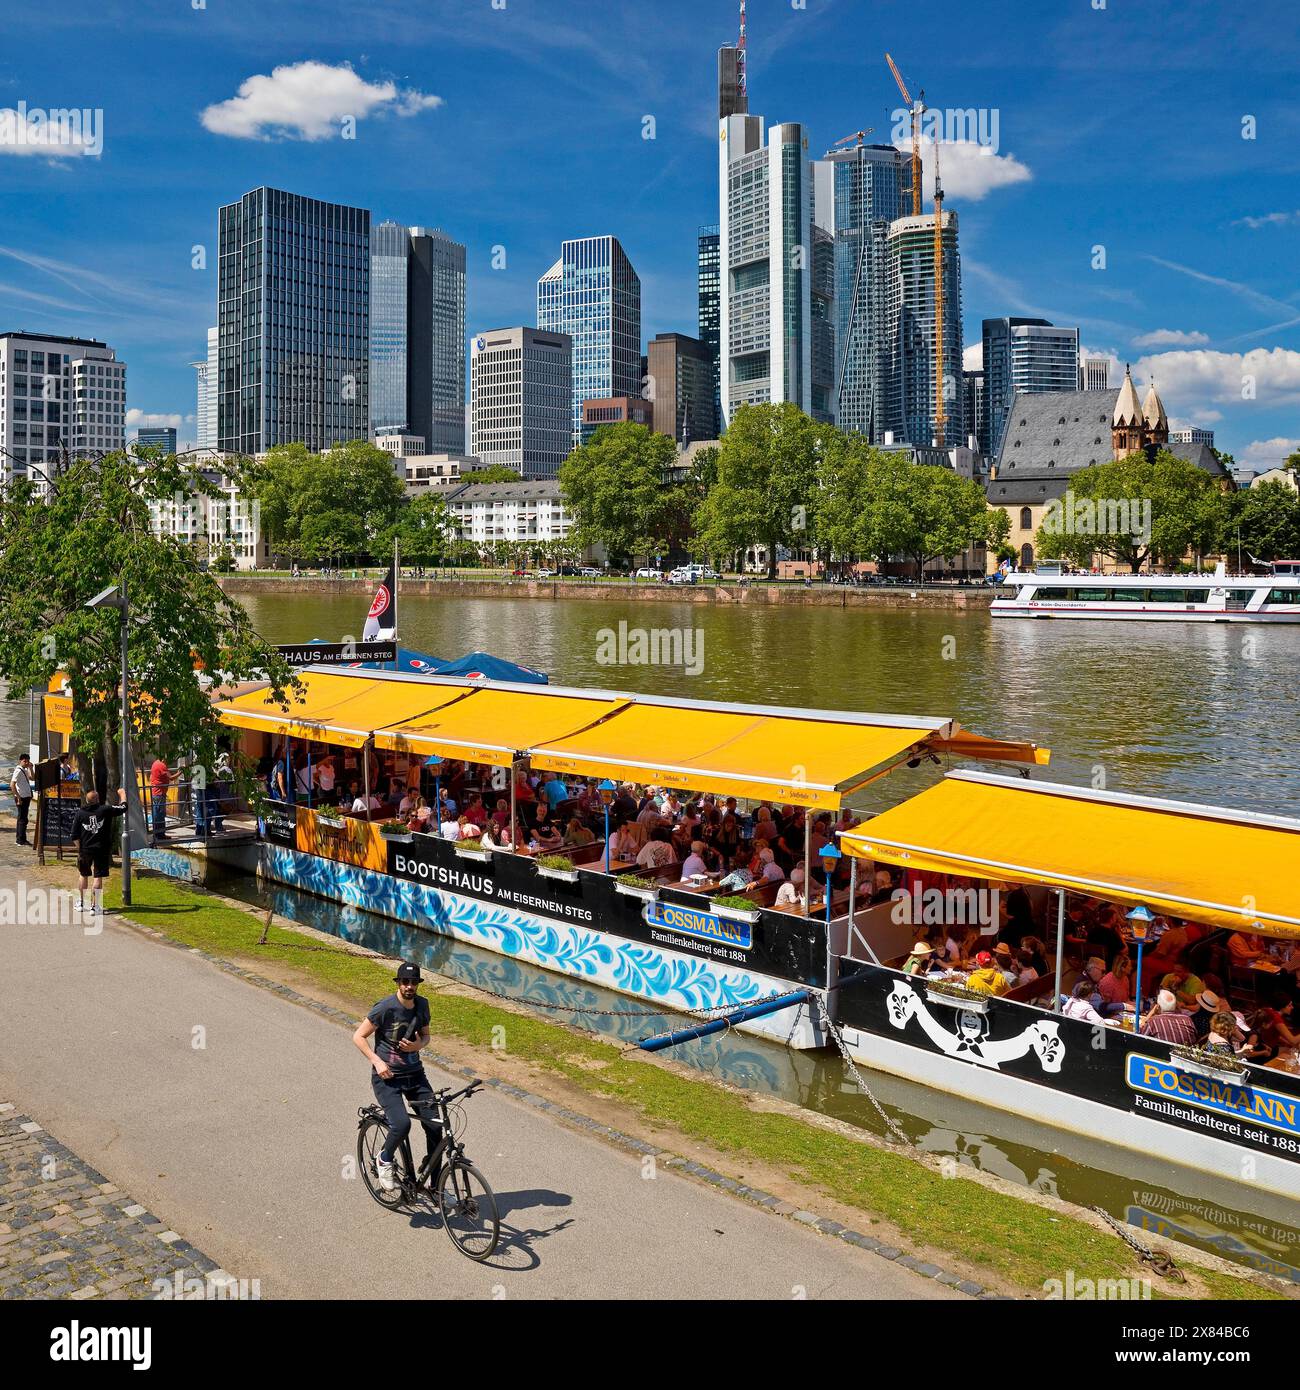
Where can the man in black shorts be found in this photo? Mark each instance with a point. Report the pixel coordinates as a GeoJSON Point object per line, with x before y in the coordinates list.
{"type": "Point", "coordinates": [400, 1026]}
{"type": "Point", "coordinates": [92, 830]}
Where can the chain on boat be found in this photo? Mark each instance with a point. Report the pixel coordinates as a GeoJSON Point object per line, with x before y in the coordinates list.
{"type": "Point", "coordinates": [1161, 1261]}
{"type": "Point", "coordinates": [835, 1033]}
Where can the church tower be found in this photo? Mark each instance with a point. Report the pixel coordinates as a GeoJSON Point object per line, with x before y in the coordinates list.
{"type": "Point", "coordinates": [1127, 425]}
{"type": "Point", "coordinates": [1155, 423]}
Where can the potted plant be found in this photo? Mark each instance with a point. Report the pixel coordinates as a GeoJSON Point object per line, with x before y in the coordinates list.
{"type": "Point", "coordinates": [395, 830]}
{"type": "Point", "coordinates": [329, 815]}
{"type": "Point", "coordinates": [471, 849]}
{"type": "Point", "coordinates": [738, 907]}
{"type": "Point", "coordinates": [633, 887]}
{"type": "Point", "coordinates": [956, 996]}
{"type": "Point", "coordinates": [1209, 1061]}
{"type": "Point", "coordinates": [556, 866]}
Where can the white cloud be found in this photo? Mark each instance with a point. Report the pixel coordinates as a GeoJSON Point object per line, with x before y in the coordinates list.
{"type": "Point", "coordinates": [137, 419]}
{"type": "Point", "coordinates": [306, 101]}
{"type": "Point", "coordinates": [1269, 219]}
{"type": "Point", "coordinates": [1193, 378]}
{"type": "Point", "coordinates": [51, 135]}
{"type": "Point", "coordinates": [972, 358]}
{"type": "Point", "coordinates": [969, 170]}
{"type": "Point", "coordinates": [1269, 453]}
{"type": "Point", "coordinates": [1170, 337]}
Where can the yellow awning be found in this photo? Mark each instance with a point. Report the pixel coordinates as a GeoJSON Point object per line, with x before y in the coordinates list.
{"type": "Point", "coordinates": [1220, 867]}
{"type": "Point", "coordinates": [338, 708]}
{"type": "Point", "coordinates": [492, 726]}
{"type": "Point", "coordinates": [805, 761]}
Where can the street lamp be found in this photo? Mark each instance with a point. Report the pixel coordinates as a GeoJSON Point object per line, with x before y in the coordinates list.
{"type": "Point", "coordinates": [829, 856]}
{"type": "Point", "coordinates": [115, 597]}
{"type": "Point", "coordinates": [607, 790]}
{"type": "Point", "coordinates": [1139, 925]}
{"type": "Point", "coordinates": [435, 762]}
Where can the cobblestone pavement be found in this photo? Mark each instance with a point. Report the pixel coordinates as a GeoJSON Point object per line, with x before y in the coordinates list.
{"type": "Point", "coordinates": [66, 1232]}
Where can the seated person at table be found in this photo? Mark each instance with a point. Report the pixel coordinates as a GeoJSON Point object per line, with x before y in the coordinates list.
{"type": "Point", "coordinates": [1167, 1023]}
{"type": "Point", "coordinates": [1005, 960]}
{"type": "Point", "coordinates": [791, 892]}
{"type": "Point", "coordinates": [920, 960]}
{"type": "Point", "coordinates": [623, 843]}
{"type": "Point", "coordinates": [1094, 971]}
{"type": "Point", "coordinates": [360, 803]}
{"type": "Point", "coordinates": [770, 871]}
{"type": "Point", "coordinates": [1116, 986]}
{"type": "Point", "coordinates": [449, 828]}
{"type": "Point", "coordinates": [1274, 1024]}
{"type": "Point", "coordinates": [1079, 1004]}
{"type": "Point", "coordinates": [545, 834]}
{"type": "Point", "coordinates": [1026, 970]}
{"type": "Point", "coordinates": [962, 943]}
{"type": "Point", "coordinates": [475, 809]}
{"type": "Point", "coordinates": [1039, 952]}
{"type": "Point", "coordinates": [986, 978]}
{"type": "Point", "coordinates": [657, 852]}
{"type": "Point", "coordinates": [694, 861]}
{"type": "Point", "coordinates": [1183, 985]}
{"type": "Point", "coordinates": [1244, 947]}
{"type": "Point", "coordinates": [577, 834]}
{"type": "Point", "coordinates": [407, 804]}
{"type": "Point", "coordinates": [738, 878]}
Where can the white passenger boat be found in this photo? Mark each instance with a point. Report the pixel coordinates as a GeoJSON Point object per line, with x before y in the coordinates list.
{"type": "Point", "coordinates": [1198, 598]}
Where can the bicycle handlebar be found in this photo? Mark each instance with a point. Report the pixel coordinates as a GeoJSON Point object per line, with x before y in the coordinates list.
{"type": "Point", "coordinates": [446, 1096]}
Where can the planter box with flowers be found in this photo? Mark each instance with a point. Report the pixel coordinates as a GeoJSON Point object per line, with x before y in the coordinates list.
{"type": "Point", "coordinates": [396, 830]}
{"type": "Point", "coordinates": [472, 849]}
{"type": "Point", "coordinates": [556, 866]}
{"type": "Point", "coordinates": [632, 887]}
{"type": "Point", "coordinates": [954, 996]}
{"type": "Point", "coordinates": [737, 907]}
{"type": "Point", "coordinates": [1209, 1061]}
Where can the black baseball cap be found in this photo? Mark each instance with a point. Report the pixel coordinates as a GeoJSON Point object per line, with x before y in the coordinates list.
{"type": "Point", "coordinates": [407, 971]}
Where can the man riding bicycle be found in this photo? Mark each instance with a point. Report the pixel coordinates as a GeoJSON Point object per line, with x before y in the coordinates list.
{"type": "Point", "coordinates": [400, 1026]}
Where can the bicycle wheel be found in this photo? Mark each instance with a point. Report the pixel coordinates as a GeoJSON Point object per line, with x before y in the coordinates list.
{"type": "Point", "coordinates": [469, 1210]}
{"type": "Point", "coordinates": [370, 1140]}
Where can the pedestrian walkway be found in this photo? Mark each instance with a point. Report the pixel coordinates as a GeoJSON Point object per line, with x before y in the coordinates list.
{"type": "Point", "coordinates": [67, 1232]}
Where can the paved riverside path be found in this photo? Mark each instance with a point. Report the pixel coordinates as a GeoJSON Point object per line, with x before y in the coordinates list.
{"type": "Point", "coordinates": [241, 1145]}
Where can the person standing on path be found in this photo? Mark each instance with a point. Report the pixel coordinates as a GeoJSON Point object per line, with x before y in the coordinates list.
{"type": "Point", "coordinates": [160, 779]}
{"type": "Point", "coordinates": [400, 1026]}
{"type": "Point", "coordinates": [92, 831]}
{"type": "Point", "coordinates": [22, 788]}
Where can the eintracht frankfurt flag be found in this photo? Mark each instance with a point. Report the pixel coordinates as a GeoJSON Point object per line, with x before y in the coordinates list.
{"type": "Point", "coordinates": [381, 621]}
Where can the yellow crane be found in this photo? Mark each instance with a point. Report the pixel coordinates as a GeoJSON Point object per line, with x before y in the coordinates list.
{"type": "Point", "coordinates": [915, 107]}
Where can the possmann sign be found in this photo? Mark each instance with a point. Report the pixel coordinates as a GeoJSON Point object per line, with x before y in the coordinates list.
{"type": "Point", "coordinates": [1251, 1104]}
{"type": "Point", "coordinates": [708, 926]}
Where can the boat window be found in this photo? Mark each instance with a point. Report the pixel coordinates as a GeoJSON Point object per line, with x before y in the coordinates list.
{"type": "Point", "coordinates": [1283, 596]}
{"type": "Point", "coordinates": [1128, 595]}
{"type": "Point", "coordinates": [1170, 596]}
{"type": "Point", "coordinates": [1091, 595]}
{"type": "Point", "coordinates": [1240, 595]}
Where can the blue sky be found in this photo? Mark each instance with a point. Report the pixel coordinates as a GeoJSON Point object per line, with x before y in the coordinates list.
{"type": "Point", "coordinates": [1119, 127]}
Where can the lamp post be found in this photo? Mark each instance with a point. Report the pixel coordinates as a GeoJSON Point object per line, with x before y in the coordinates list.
{"type": "Point", "coordinates": [607, 790]}
{"type": "Point", "coordinates": [830, 855]}
{"type": "Point", "coordinates": [1139, 925]}
{"type": "Point", "coordinates": [115, 597]}
{"type": "Point", "coordinates": [435, 762]}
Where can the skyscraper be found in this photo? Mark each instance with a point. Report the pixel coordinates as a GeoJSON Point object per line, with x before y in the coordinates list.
{"type": "Point", "coordinates": [975, 410]}
{"type": "Point", "coordinates": [682, 371]}
{"type": "Point", "coordinates": [157, 437]}
{"type": "Point", "coordinates": [593, 294]}
{"type": "Point", "coordinates": [707, 275]}
{"type": "Point", "coordinates": [293, 318]}
{"type": "Point", "coordinates": [732, 98]}
{"type": "Point", "coordinates": [1025, 355]}
{"type": "Point", "coordinates": [910, 327]}
{"type": "Point", "coordinates": [417, 335]}
{"type": "Point", "coordinates": [521, 399]}
{"type": "Point", "coordinates": [871, 186]}
{"type": "Point", "coordinates": [205, 418]}
{"type": "Point", "coordinates": [1094, 375]}
{"type": "Point", "coordinates": [766, 264]}
{"type": "Point", "coordinates": [58, 395]}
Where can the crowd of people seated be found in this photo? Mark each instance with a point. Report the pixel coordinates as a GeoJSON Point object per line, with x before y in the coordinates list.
{"type": "Point", "coordinates": [653, 830]}
{"type": "Point", "coordinates": [1198, 984]}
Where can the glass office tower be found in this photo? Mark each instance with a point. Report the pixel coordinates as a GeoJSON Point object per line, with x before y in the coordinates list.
{"type": "Point", "coordinates": [708, 263]}
{"type": "Point", "coordinates": [1025, 355]}
{"type": "Point", "coordinates": [293, 322]}
{"type": "Point", "coordinates": [390, 245]}
{"type": "Point", "coordinates": [593, 294]}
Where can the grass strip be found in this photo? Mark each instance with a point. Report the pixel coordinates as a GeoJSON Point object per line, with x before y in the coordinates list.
{"type": "Point", "coordinates": [1017, 1242]}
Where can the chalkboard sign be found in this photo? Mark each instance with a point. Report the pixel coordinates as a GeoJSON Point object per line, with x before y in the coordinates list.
{"type": "Point", "coordinates": [57, 816]}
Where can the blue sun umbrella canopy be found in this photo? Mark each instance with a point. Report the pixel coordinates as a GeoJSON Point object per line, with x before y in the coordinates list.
{"type": "Point", "coordinates": [473, 666]}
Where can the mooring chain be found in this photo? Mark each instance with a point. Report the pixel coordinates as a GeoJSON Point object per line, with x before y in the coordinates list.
{"type": "Point", "coordinates": [857, 1075]}
{"type": "Point", "coordinates": [1159, 1260]}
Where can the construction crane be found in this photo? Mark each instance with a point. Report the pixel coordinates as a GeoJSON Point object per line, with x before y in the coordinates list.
{"type": "Point", "coordinates": [858, 135]}
{"type": "Point", "coordinates": [940, 405]}
{"type": "Point", "coordinates": [915, 107]}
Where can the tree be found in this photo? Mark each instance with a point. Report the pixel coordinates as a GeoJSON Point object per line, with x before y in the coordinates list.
{"type": "Point", "coordinates": [424, 531]}
{"type": "Point", "coordinates": [493, 473]}
{"type": "Point", "coordinates": [328, 536]}
{"type": "Point", "coordinates": [614, 487]}
{"type": "Point", "coordinates": [1264, 521]}
{"type": "Point", "coordinates": [767, 483]}
{"type": "Point", "coordinates": [93, 531]}
{"type": "Point", "coordinates": [1135, 509]}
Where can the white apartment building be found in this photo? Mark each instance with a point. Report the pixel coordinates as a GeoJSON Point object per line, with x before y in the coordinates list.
{"type": "Point", "coordinates": [521, 400]}
{"type": "Point", "coordinates": [57, 394]}
{"type": "Point", "coordinates": [532, 512]}
{"type": "Point", "coordinates": [400, 443]}
{"type": "Point", "coordinates": [207, 524]}
{"type": "Point", "coordinates": [439, 472]}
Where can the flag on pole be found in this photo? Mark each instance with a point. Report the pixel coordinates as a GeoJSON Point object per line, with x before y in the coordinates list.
{"type": "Point", "coordinates": [381, 621]}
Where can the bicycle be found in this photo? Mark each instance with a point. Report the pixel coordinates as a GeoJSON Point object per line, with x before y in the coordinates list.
{"type": "Point", "coordinates": [465, 1201]}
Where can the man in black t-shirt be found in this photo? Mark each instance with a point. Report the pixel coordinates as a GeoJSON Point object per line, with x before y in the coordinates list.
{"type": "Point", "coordinates": [93, 831]}
{"type": "Point", "coordinates": [400, 1026]}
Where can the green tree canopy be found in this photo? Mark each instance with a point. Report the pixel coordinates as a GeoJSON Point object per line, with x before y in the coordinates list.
{"type": "Point", "coordinates": [94, 531]}
{"type": "Point", "coordinates": [1264, 521]}
{"type": "Point", "coordinates": [767, 483]}
{"type": "Point", "coordinates": [1133, 510]}
{"type": "Point", "coordinates": [614, 487]}
{"type": "Point", "coordinates": [424, 531]}
{"type": "Point", "coordinates": [493, 473]}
